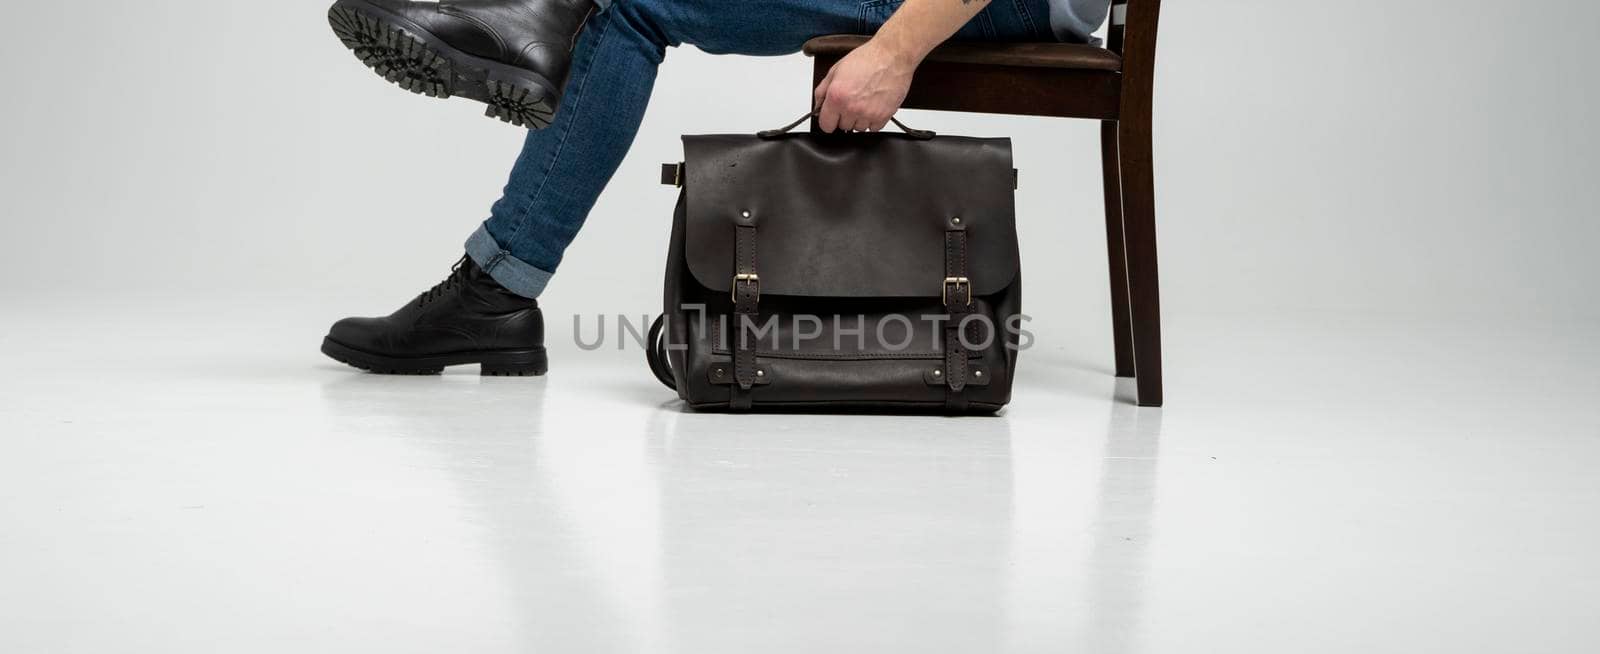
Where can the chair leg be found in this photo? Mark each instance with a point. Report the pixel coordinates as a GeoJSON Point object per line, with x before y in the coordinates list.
{"type": "Point", "coordinates": [1121, 320]}
{"type": "Point", "coordinates": [1139, 237]}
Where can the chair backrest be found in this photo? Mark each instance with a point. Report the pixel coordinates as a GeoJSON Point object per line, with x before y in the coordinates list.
{"type": "Point", "coordinates": [1132, 34]}
{"type": "Point", "coordinates": [1139, 17]}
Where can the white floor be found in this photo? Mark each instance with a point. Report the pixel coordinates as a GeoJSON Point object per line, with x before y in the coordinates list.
{"type": "Point", "coordinates": [185, 478]}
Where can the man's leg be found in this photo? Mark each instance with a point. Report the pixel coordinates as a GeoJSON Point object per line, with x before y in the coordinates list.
{"type": "Point", "coordinates": [485, 312]}
{"type": "Point", "coordinates": [563, 168]}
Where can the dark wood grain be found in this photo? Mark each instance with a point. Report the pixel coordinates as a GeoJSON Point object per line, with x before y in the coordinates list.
{"type": "Point", "coordinates": [1116, 255]}
{"type": "Point", "coordinates": [1135, 152]}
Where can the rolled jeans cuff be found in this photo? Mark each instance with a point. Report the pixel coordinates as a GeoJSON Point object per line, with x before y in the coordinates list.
{"type": "Point", "coordinates": [514, 274]}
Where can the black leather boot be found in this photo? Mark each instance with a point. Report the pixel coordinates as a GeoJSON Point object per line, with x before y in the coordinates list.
{"type": "Point", "coordinates": [467, 318]}
{"type": "Point", "coordinates": [509, 54]}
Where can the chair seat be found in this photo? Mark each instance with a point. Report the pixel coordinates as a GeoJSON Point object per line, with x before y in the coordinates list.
{"type": "Point", "coordinates": [1029, 55]}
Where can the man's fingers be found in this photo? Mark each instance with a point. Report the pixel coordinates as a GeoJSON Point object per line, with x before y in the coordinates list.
{"type": "Point", "coordinates": [821, 92]}
{"type": "Point", "coordinates": [848, 121]}
{"type": "Point", "coordinates": [850, 117]}
{"type": "Point", "coordinates": [856, 120]}
{"type": "Point", "coordinates": [828, 115]}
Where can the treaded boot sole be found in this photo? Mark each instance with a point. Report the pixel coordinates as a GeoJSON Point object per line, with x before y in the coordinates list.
{"type": "Point", "coordinates": [402, 52]}
{"type": "Point", "coordinates": [501, 363]}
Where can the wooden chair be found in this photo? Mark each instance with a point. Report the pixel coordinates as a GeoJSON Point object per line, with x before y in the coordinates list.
{"type": "Point", "coordinates": [1111, 84]}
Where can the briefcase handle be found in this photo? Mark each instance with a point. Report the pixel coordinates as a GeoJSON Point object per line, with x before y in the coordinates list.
{"type": "Point", "coordinates": [919, 134]}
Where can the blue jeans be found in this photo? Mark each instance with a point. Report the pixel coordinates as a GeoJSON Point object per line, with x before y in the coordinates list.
{"type": "Point", "coordinates": [564, 167]}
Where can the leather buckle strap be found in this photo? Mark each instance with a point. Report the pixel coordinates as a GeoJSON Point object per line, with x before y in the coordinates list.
{"type": "Point", "coordinates": [746, 295]}
{"type": "Point", "coordinates": [958, 284]}
{"type": "Point", "coordinates": [957, 297]}
{"type": "Point", "coordinates": [745, 278]}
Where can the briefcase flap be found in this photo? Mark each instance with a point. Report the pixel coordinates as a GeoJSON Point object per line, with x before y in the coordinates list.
{"type": "Point", "coordinates": [857, 215]}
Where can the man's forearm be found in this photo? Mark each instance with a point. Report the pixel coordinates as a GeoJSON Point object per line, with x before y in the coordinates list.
{"type": "Point", "coordinates": [920, 25]}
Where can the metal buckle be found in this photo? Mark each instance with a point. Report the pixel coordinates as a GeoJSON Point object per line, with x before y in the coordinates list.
{"type": "Point", "coordinates": [957, 282]}
{"type": "Point", "coordinates": [747, 278]}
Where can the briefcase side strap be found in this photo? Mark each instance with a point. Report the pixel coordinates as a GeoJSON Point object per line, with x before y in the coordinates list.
{"type": "Point", "coordinates": [957, 297]}
{"type": "Point", "coordinates": [672, 174]}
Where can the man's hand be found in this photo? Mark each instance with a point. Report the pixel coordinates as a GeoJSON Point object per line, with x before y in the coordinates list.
{"type": "Point", "coordinates": [864, 89]}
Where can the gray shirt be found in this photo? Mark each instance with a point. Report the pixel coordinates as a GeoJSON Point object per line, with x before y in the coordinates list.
{"type": "Point", "coordinates": [1075, 20]}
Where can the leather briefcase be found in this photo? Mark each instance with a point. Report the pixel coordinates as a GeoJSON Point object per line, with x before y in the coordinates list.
{"type": "Point", "coordinates": [872, 271]}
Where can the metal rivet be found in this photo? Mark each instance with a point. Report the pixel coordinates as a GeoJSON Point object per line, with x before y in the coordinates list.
{"type": "Point", "coordinates": [745, 214]}
{"type": "Point", "coordinates": [718, 372]}
{"type": "Point", "coordinates": [956, 220]}
{"type": "Point", "coordinates": [938, 373]}
{"type": "Point", "coordinates": [761, 373]}
{"type": "Point", "coordinates": [977, 373]}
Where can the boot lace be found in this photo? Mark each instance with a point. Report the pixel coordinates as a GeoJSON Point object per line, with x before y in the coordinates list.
{"type": "Point", "coordinates": [458, 274]}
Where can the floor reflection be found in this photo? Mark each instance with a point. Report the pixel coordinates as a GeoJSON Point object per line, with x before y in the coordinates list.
{"type": "Point", "coordinates": [835, 533]}
{"type": "Point", "coordinates": [1119, 559]}
{"type": "Point", "coordinates": [653, 529]}
{"type": "Point", "coordinates": [488, 436]}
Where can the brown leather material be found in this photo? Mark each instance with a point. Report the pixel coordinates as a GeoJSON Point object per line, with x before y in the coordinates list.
{"type": "Point", "coordinates": [746, 294]}
{"type": "Point", "coordinates": [957, 298]}
{"type": "Point", "coordinates": [807, 271]}
{"type": "Point", "coordinates": [672, 175]}
{"type": "Point", "coordinates": [850, 215]}
{"type": "Point", "coordinates": [721, 374]}
{"type": "Point", "coordinates": [847, 329]}
{"type": "Point", "coordinates": [1027, 55]}
{"type": "Point", "coordinates": [935, 376]}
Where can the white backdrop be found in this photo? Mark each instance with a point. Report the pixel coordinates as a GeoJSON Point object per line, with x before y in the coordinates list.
{"type": "Point", "coordinates": [190, 192]}
{"type": "Point", "coordinates": [1426, 156]}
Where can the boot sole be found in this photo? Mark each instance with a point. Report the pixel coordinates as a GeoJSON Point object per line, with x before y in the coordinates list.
{"type": "Point", "coordinates": [402, 52]}
{"type": "Point", "coordinates": [498, 363]}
